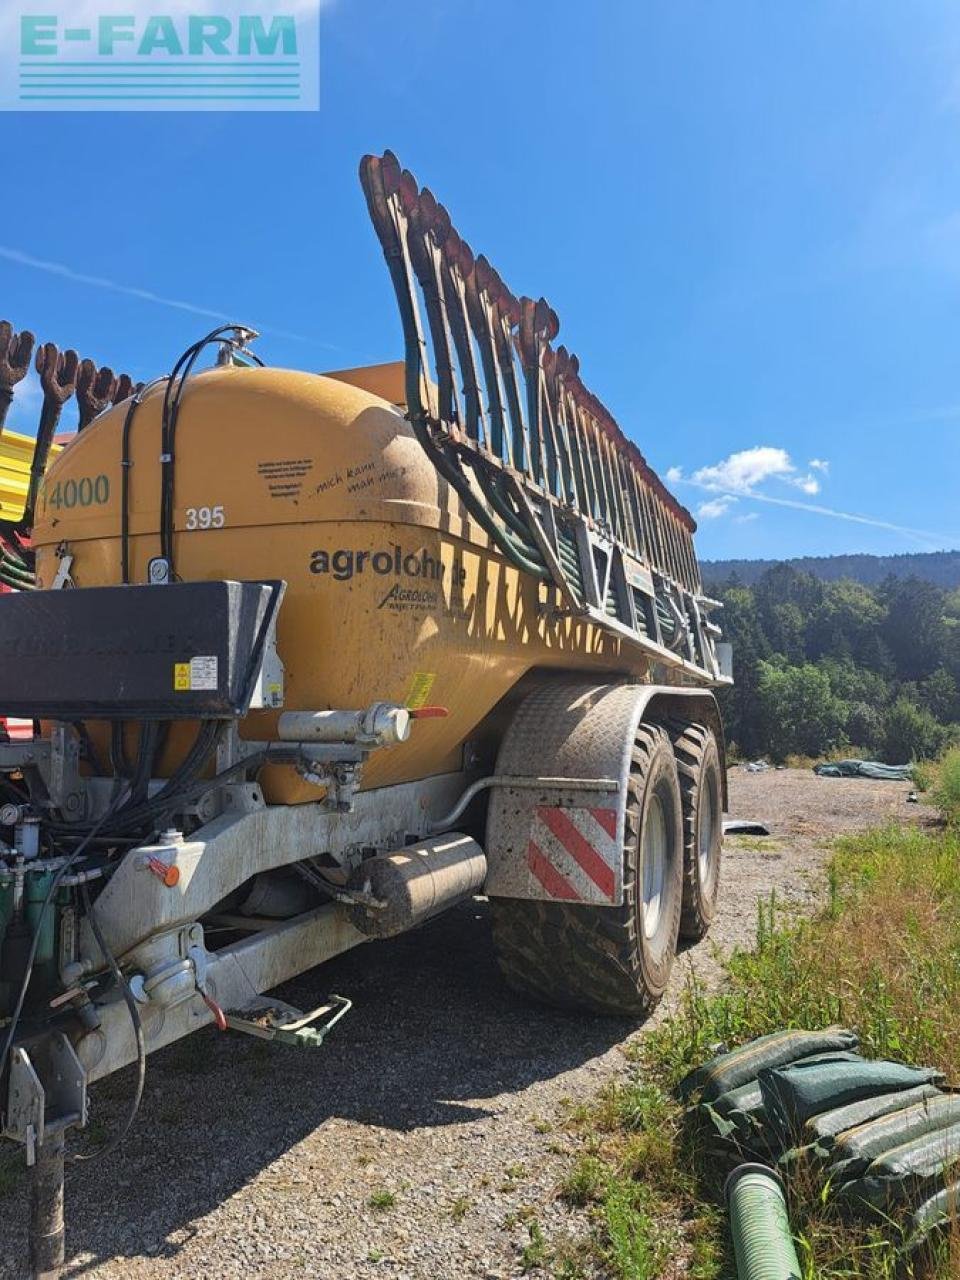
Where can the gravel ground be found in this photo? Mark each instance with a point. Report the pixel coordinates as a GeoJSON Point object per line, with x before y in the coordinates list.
{"type": "Point", "coordinates": [436, 1099]}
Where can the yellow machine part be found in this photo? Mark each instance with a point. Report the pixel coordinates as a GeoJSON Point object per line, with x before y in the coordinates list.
{"type": "Point", "coordinates": [16, 454]}
{"type": "Point", "coordinates": [393, 592]}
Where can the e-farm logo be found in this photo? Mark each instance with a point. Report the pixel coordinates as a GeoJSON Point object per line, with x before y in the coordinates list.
{"type": "Point", "coordinates": [175, 55]}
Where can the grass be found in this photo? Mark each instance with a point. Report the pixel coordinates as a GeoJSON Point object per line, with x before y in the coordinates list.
{"type": "Point", "coordinates": [629, 1181]}
{"type": "Point", "coordinates": [515, 1173]}
{"type": "Point", "coordinates": [753, 844]}
{"type": "Point", "coordinates": [460, 1207]}
{"type": "Point", "coordinates": [562, 1257]}
{"type": "Point", "coordinates": [923, 775]}
{"type": "Point", "coordinates": [535, 1254]}
{"type": "Point", "coordinates": [883, 957]}
{"type": "Point", "coordinates": [946, 788]}
{"type": "Point", "coordinates": [848, 752]}
{"type": "Point", "coordinates": [382, 1199]}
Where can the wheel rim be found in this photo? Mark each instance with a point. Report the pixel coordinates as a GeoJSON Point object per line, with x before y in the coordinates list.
{"type": "Point", "coordinates": [709, 818]}
{"type": "Point", "coordinates": [654, 865]}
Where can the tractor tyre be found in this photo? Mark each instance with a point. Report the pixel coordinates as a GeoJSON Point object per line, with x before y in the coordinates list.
{"type": "Point", "coordinates": [701, 788]}
{"type": "Point", "coordinates": [613, 960]}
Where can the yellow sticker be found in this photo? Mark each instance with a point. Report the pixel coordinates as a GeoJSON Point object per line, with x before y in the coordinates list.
{"type": "Point", "coordinates": [181, 677]}
{"type": "Point", "coordinates": [420, 687]}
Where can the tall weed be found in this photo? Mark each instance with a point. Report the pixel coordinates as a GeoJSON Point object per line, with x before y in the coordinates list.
{"type": "Point", "coordinates": [946, 792]}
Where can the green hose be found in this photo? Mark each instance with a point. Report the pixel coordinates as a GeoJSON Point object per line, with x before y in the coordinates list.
{"type": "Point", "coordinates": [762, 1241]}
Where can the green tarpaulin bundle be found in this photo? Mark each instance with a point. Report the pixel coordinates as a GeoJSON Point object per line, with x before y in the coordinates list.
{"type": "Point", "coordinates": [740, 1116]}
{"type": "Point", "coordinates": [907, 1173]}
{"type": "Point", "coordinates": [937, 1217]}
{"type": "Point", "coordinates": [822, 1131]}
{"type": "Point", "coordinates": [741, 1066]}
{"type": "Point", "coordinates": [794, 1093]}
{"type": "Point", "coordinates": [856, 1148]}
{"type": "Point", "coordinates": [864, 769]}
{"type": "Point", "coordinates": [882, 1134]}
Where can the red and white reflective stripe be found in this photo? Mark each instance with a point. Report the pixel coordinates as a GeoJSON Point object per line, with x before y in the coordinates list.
{"type": "Point", "coordinates": [574, 853]}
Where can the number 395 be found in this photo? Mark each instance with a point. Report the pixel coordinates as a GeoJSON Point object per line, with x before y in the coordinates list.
{"type": "Point", "coordinates": [205, 518]}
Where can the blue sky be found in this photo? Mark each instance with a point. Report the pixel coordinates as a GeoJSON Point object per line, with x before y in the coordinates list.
{"type": "Point", "coordinates": [747, 216]}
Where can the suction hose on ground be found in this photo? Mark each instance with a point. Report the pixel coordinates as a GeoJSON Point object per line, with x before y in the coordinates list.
{"type": "Point", "coordinates": [762, 1242]}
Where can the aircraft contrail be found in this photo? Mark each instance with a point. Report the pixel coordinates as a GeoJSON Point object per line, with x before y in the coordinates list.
{"type": "Point", "coordinates": [145, 295]}
{"type": "Point", "coordinates": [936, 540]}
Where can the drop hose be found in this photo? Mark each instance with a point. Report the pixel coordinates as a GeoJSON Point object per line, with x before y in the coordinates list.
{"type": "Point", "coordinates": [762, 1240]}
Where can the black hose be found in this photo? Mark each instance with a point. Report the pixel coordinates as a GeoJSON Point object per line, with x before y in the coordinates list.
{"type": "Point", "coordinates": [89, 750]}
{"type": "Point", "coordinates": [125, 465]}
{"type": "Point", "coordinates": [129, 816]}
{"type": "Point", "coordinates": [111, 1145]}
{"type": "Point", "coordinates": [171, 413]}
{"type": "Point", "coordinates": [170, 794]}
{"type": "Point", "coordinates": [119, 764]}
{"type": "Point", "coordinates": [35, 942]}
{"type": "Point", "coordinates": [143, 770]}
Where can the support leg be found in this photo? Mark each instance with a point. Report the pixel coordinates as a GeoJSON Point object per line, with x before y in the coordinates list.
{"type": "Point", "coordinates": [46, 1210]}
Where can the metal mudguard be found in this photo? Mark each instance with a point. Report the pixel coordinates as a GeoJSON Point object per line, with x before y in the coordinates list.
{"type": "Point", "coordinates": [560, 844]}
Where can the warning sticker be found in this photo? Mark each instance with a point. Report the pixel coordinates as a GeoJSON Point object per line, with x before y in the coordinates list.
{"type": "Point", "coordinates": [203, 672]}
{"type": "Point", "coordinates": [420, 687]}
{"type": "Point", "coordinates": [200, 673]}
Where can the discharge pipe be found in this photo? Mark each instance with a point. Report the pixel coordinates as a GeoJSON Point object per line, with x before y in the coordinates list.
{"type": "Point", "coordinates": [380, 725]}
{"type": "Point", "coordinates": [762, 1240]}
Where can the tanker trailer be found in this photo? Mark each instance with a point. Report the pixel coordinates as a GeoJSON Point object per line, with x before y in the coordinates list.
{"type": "Point", "coordinates": [315, 658]}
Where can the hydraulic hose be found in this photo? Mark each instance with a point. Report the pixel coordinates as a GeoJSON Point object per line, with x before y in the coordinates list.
{"type": "Point", "coordinates": [762, 1240]}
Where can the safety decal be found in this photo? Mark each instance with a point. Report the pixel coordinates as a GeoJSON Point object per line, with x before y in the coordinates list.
{"type": "Point", "coordinates": [574, 853]}
{"type": "Point", "coordinates": [196, 675]}
{"type": "Point", "coordinates": [420, 686]}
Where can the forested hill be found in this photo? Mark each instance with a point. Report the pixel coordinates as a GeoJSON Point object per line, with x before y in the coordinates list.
{"type": "Point", "coordinates": [820, 666]}
{"type": "Point", "coordinates": [939, 567]}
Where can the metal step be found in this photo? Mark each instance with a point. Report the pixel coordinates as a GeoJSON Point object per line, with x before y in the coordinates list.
{"type": "Point", "coordinates": [272, 1019]}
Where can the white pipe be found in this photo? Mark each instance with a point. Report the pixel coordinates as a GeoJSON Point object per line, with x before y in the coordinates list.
{"type": "Point", "coordinates": [382, 724]}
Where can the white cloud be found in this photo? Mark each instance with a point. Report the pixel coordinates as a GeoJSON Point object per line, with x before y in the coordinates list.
{"type": "Point", "coordinates": [715, 508]}
{"type": "Point", "coordinates": [747, 518]}
{"type": "Point", "coordinates": [739, 475]}
{"type": "Point", "coordinates": [674, 475]}
{"type": "Point", "coordinates": [819, 464]}
{"type": "Point", "coordinates": [742, 471]}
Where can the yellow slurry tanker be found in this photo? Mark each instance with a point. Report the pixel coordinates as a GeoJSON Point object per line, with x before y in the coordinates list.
{"type": "Point", "coordinates": [312, 658]}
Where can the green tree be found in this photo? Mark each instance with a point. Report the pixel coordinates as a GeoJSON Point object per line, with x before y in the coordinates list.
{"type": "Point", "coordinates": [848, 615]}
{"type": "Point", "coordinates": [854, 683]}
{"type": "Point", "coordinates": [939, 694]}
{"type": "Point", "coordinates": [741, 626]}
{"type": "Point", "coordinates": [798, 712]}
{"type": "Point", "coordinates": [911, 733]}
{"type": "Point", "coordinates": [885, 664]}
{"type": "Point", "coordinates": [914, 626]}
{"type": "Point", "coordinates": [786, 601]}
{"type": "Point", "coordinates": [864, 727]}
